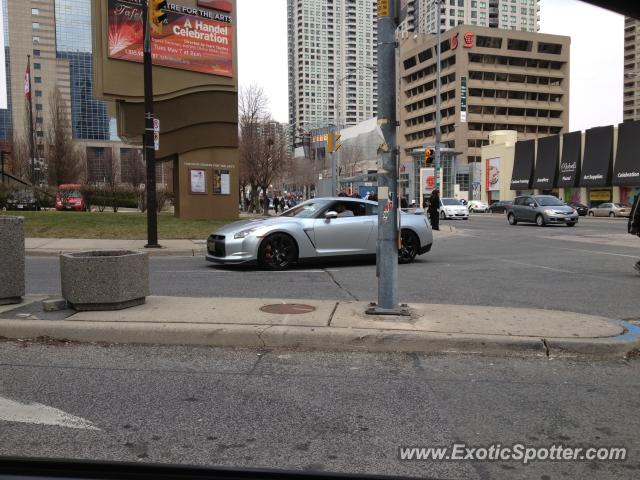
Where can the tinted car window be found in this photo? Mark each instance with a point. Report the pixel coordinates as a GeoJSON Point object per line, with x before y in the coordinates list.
{"type": "Point", "coordinates": [550, 202]}
{"type": "Point", "coordinates": [306, 209]}
{"type": "Point", "coordinates": [372, 209]}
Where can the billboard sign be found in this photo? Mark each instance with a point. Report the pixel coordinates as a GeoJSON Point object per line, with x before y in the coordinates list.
{"type": "Point", "coordinates": [493, 175]}
{"type": "Point", "coordinates": [191, 39]}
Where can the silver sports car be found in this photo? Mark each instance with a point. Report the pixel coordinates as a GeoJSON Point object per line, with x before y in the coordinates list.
{"type": "Point", "coordinates": [317, 229]}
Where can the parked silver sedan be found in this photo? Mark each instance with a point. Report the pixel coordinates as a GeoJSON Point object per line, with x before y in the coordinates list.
{"type": "Point", "coordinates": [318, 229]}
{"type": "Point", "coordinates": [610, 210]}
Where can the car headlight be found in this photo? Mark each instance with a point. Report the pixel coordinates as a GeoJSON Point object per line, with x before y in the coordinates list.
{"type": "Point", "coordinates": [245, 233]}
{"type": "Point", "coordinates": [549, 211]}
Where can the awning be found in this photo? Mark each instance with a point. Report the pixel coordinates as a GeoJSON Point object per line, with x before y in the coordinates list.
{"type": "Point", "coordinates": [523, 163]}
{"type": "Point", "coordinates": [627, 168]}
{"type": "Point", "coordinates": [571, 160]}
{"type": "Point", "coordinates": [597, 166]}
{"type": "Point", "coordinates": [546, 176]}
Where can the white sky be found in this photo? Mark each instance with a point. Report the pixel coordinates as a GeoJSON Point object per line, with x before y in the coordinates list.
{"type": "Point", "coordinates": [597, 45]}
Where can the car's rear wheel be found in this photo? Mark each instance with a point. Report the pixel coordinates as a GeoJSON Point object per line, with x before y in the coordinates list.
{"type": "Point", "coordinates": [277, 252]}
{"type": "Point", "coordinates": [410, 244]}
{"type": "Point", "coordinates": [539, 220]}
{"type": "Point", "coordinates": [512, 219]}
{"type": "Point", "coordinates": [571, 224]}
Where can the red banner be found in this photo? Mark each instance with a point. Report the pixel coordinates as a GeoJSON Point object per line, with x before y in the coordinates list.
{"type": "Point", "coordinates": [186, 42]}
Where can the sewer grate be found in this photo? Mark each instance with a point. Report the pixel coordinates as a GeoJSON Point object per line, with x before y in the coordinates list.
{"type": "Point", "coordinates": [288, 309]}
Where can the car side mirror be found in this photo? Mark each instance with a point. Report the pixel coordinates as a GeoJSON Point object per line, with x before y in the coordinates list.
{"type": "Point", "coordinates": [330, 215]}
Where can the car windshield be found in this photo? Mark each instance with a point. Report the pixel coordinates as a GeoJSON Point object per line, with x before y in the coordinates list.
{"type": "Point", "coordinates": [550, 202]}
{"type": "Point", "coordinates": [307, 209]}
{"type": "Point", "coordinates": [619, 205]}
{"type": "Point", "coordinates": [70, 193]}
{"type": "Point", "coordinates": [450, 201]}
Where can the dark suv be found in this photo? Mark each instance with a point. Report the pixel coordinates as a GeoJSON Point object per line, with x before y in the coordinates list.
{"type": "Point", "coordinates": [541, 210]}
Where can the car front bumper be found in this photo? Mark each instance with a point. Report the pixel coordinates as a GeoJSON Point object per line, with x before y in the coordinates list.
{"type": "Point", "coordinates": [229, 250]}
{"type": "Point", "coordinates": [571, 218]}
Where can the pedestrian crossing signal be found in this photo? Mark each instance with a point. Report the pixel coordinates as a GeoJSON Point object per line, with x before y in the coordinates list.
{"type": "Point", "coordinates": [428, 155]}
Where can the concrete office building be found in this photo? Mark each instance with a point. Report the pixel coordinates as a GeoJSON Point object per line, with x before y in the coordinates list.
{"type": "Point", "coordinates": [492, 79]}
{"type": "Point", "coordinates": [506, 14]}
{"type": "Point", "coordinates": [332, 59]}
{"type": "Point", "coordinates": [631, 99]}
{"type": "Point", "coordinates": [57, 35]}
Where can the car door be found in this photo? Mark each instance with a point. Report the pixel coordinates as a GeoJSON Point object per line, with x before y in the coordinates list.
{"type": "Point", "coordinates": [529, 212]}
{"type": "Point", "coordinates": [344, 235]}
{"type": "Point", "coordinates": [518, 208]}
{"type": "Point", "coordinates": [603, 210]}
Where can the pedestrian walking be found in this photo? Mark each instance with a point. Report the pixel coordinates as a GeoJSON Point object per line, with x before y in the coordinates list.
{"type": "Point", "coordinates": [276, 204]}
{"type": "Point", "coordinates": [432, 210]}
{"type": "Point", "coordinates": [634, 224]}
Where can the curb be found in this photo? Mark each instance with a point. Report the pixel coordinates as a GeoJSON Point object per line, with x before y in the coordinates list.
{"type": "Point", "coordinates": [151, 252]}
{"type": "Point", "coordinates": [315, 338]}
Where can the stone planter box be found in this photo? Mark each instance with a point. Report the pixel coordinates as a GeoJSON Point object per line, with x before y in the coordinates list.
{"type": "Point", "coordinates": [104, 280]}
{"type": "Point", "coordinates": [11, 260]}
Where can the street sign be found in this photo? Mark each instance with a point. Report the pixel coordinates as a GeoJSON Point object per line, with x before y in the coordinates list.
{"type": "Point", "coordinates": [156, 134]}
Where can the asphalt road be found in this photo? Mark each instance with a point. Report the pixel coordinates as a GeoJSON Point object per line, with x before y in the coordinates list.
{"type": "Point", "coordinates": [587, 269]}
{"type": "Point", "coordinates": [347, 412]}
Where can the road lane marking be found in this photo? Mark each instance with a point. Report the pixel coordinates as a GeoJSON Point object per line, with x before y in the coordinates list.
{"type": "Point", "coordinates": [38, 414]}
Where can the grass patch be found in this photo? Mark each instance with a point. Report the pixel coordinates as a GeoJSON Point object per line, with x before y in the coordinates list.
{"type": "Point", "coordinates": [109, 225]}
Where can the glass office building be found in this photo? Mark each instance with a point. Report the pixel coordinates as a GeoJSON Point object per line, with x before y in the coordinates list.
{"type": "Point", "coordinates": [5, 115]}
{"type": "Point", "coordinates": [89, 117]}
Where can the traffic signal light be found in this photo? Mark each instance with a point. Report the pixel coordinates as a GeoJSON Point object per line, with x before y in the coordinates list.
{"type": "Point", "coordinates": [428, 155]}
{"type": "Point", "coordinates": [157, 16]}
{"type": "Point", "coordinates": [333, 142]}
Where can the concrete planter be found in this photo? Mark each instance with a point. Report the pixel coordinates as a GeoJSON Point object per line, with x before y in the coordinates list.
{"type": "Point", "coordinates": [104, 280]}
{"type": "Point", "coordinates": [11, 260]}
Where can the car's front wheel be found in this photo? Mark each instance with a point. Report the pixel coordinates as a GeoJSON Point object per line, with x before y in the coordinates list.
{"type": "Point", "coordinates": [540, 220]}
{"type": "Point", "coordinates": [410, 244]}
{"type": "Point", "coordinates": [512, 219]}
{"type": "Point", "coordinates": [591, 214]}
{"type": "Point", "coordinates": [277, 252]}
{"type": "Point", "coordinates": [611, 214]}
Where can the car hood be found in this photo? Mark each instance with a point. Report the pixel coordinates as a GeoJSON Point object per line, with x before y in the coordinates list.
{"type": "Point", "coordinates": [561, 208]}
{"type": "Point", "coordinates": [235, 227]}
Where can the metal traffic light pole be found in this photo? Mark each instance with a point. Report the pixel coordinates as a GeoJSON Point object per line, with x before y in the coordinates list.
{"type": "Point", "coordinates": [147, 138]}
{"type": "Point", "coordinates": [388, 231]}
{"type": "Point", "coordinates": [437, 163]}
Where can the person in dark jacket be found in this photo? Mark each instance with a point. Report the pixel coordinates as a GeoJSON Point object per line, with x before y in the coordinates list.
{"type": "Point", "coordinates": [432, 210]}
{"type": "Point", "coordinates": [634, 224]}
{"type": "Point", "coordinates": [276, 203]}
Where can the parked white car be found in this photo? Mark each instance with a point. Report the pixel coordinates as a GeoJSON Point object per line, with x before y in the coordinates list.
{"type": "Point", "coordinates": [452, 208]}
{"type": "Point", "coordinates": [476, 206]}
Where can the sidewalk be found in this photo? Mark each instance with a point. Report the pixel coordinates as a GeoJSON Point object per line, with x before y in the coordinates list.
{"type": "Point", "coordinates": [52, 247]}
{"type": "Point", "coordinates": [328, 325]}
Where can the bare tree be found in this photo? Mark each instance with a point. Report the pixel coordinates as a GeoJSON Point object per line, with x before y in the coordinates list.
{"type": "Point", "coordinates": [252, 104]}
{"type": "Point", "coordinates": [273, 159]}
{"type": "Point", "coordinates": [133, 168]}
{"type": "Point", "coordinates": [350, 158]}
{"type": "Point", "coordinates": [64, 159]}
{"type": "Point", "coordinates": [20, 158]}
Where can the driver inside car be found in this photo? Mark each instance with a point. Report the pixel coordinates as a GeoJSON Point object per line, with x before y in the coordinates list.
{"type": "Point", "coordinates": [343, 211]}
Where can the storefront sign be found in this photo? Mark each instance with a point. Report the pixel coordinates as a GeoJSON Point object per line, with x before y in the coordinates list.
{"type": "Point", "coordinates": [546, 176]}
{"type": "Point", "coordinates": [600, 195]}
{"type": "Point", "coordinates": [463, 99]}
{"type": "Point", "coordinates": [493, 175]}
{"type": "Point", "coordinates": [523, 164]}
{"type": "Point", "coordinates": [597, 166]}
{"type": "Point", "coordinates": [627, 167]}
{"type": "Point", "coordinates": [199, 41]}
{"type": "Point", "coordinates": [569, 175]}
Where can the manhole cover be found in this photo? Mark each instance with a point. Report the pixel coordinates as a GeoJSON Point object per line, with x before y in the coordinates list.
{"type": "Point", "coordinates": [288, 309]}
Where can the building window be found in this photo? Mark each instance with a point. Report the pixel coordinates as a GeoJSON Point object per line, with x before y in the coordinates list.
{"type": "Point", "coordinates": [39, 120]}
{"type": "Point", "coordinates": [35, 11]}
{"type": "Point", "coordinates": [36, 39]}
{"type": "Point", "coordinates": [35, 25]}
{"type": "Point", "coordinates": [36, 66]}
{"type": "Point", "coordinates": [37, 79]}
{"type": "Point", "coordinates": [36, 53]}
{"type": "Point", "coordinates": [39, 107]}
{"type": "Point", "coordinates": [474, 4]}
{"type": "Point", "coordinates": [38, 93]}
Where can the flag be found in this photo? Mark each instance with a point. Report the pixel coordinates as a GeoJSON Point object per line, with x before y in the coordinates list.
{"type": "Point", "coordinates": [27, 82]}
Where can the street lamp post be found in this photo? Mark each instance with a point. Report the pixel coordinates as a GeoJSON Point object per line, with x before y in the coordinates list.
{"type": "Point", "coordinates": [438, 91]}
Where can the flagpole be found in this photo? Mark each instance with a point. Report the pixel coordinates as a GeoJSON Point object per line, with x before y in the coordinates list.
{"type": "Point", "coordinates": [31, 131]}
